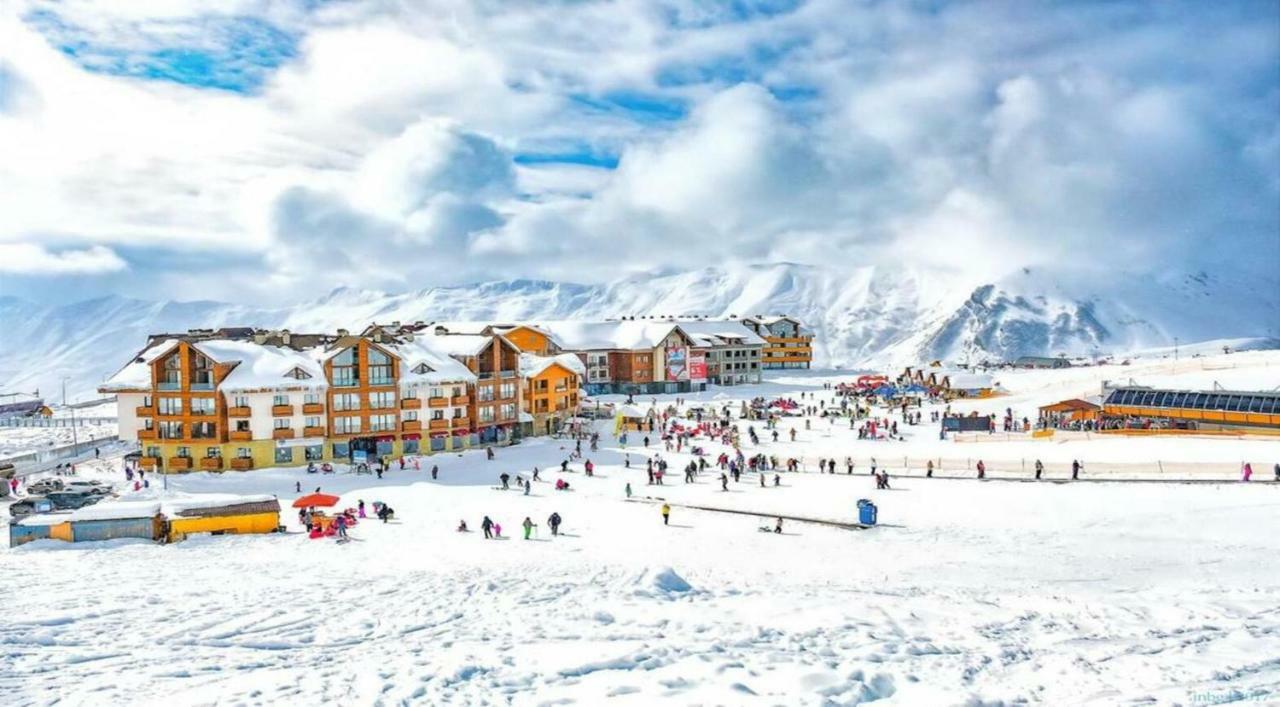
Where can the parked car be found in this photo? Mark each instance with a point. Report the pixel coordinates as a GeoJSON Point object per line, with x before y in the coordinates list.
{"type": "Point", "coordinates": [69, 500]}
{"type": "Point", "coordinates": [40, 487]}
{"type": "Point", "coordinates": [30, 505]}
{"type": "Point", "coordinates": [85, 486]}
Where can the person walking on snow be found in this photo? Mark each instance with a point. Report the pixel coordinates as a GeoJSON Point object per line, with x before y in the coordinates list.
{"type": "Point", "coordinates": [1246, 472]}
{"type": "Point", "coordinates": [928, 470]}
{"type": "Point", "coordinates": [435, 471]}
{"type": "Point", "coordinates": [360, 509]}
{"type": "Point", "coordinates": [982, 470]}
{"type": "Point", "coordinates": [1039, 469]}
{"type": "Point", "coordinates": [1075, 469]}
{"type": "Point", "coordinates": [504, 477]}
{"type": "Point", "coordinates": [666, 514]}
{"type": "Point", "coordinates": [487, 526]}
{"type": "Point", "coordinates": [553, 521]}
{"type": "Point", "coordinates": [724, 482]}
{"type": "Point", "coordinates": [628, 489]}
{"type": "Point", "coordinates": [528, 527]}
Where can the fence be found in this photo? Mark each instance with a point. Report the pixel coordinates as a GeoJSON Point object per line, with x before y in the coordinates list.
{"type": "Point", "coordinates": [966, 468]}
{"type": "Point", "coordinates": [44, 459]}
{"type": "Point", "coordinates": [56, 421]}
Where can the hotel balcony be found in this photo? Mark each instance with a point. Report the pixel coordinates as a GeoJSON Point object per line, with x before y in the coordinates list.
{"type": "Point", "coordinates": [313, 408]}
{"type": "Point", "coordinates": [179, 463]}
{"type": "Point", "coordinates": [440, 424]}
{"type": "Point", "coordinates": [211, 464]}
{"type": "Point", "coordinates": [238, 411]}
{"type": "Point", "coordinates": [312, 431]}
{"type": "Point", "coordinates": [460, 400]}
{"type": "Point", "coordinates": [411, 426]}
{"type": "Point", "coordinates": [147, 434]}
{"type": "Point", "coordinates": [148, 462]}
{"type": "Point", "coordinates": [281, 410]}
{"type": "Point", "coordinates": [461, 422]}
{"type": "Point", "coordinates": [508, 374]}
{"type": "Point", "coordinates": [242, 463]}
{"type": "Point", "coordinates": [144, 411]}
{"type": "Point", "coordinates": [240, 435]}
{"type": "Point", "coordinates": [437, 402]}
{"type": "Point", "coordinates": [282, 433]}
{"type": "Point", "coordinates": [411, 403]}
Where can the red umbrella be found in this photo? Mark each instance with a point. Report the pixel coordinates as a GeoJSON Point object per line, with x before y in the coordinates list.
{"type": "Point", "coordinates": [316, 499]}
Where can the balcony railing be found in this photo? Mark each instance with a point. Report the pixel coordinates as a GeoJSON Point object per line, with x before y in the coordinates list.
{"type": "Point", "coordinates": [242, 463]}
{"type": "Point", "coordinates": [485, 375]}
{"type": "Point", "coordinates": [460, 422]}
{"type": "Point", "coordinates": [238, 411]}
{"type": "Point", "coordinates": [411, 426]}
{"type": "Point", "coordinates": [312, 431]}
{"type": "Point", "coordinates": [281, 410]}
{"type": "Point", "coordinates": [508, 374]}
{"type": "Point", "coordinates": [169, 385]}
{"type": "Point", "coordinates": [282, 433]}
{"type": "Point", "coordinates": [437, 402]}
{"type": "Point", "coordinates": [313, 408]}
{"type": "Point", "coordinates": [211, 463]}
{"type": "Point", "coordinates": [202, 386]}
{"type": "Point", "coordinates": [346, 384]}
{"type": "Point", "coordinates": [382, 381]}
{"type": "Point", "coordinates": [144, 411]}
{"type": "Point", "coordinates": [460, 400]}
{"type": "Point", "coordinates": [411, 403]}
{"type": "Point", "coordinates": [147, 434]}
{"type": "Point", "coordinates": [240, 435]}
{"type": "Point", "coordinates": [148, 462]}
{"type": "Point", "coordinates": [180, 463]}
{"type": "Point", "coordinates": [439, 424]}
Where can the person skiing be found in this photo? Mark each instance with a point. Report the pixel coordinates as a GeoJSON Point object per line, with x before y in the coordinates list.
{"type": "Point", "coordinates": [462, 527]}
{"type": "Point", "coordinates": [982, 470]}
{"type": "Point", "coordinates": [1075, 469]}
{"type": "Point", "coordinates": [666, 514]}
{"type": "Point", "coordinates": [724, 482]}
{"type": "Point", "coordinates": [777, 479]}
{"type": "Point", "coordinates": [762, 479]}
{"type": "Point", "coordinates": [1246, 472]}
{"type": "Point", "coordinates": [378, 470]}
{"type": "Point", "coordinates": [777, 528]}
{"type": "Point", "coordinates": [297, 486]}
{"type": "Point", "coordinates": [589, 468]}
{"type": "Point", "coordinates": [928, 470]}
{"type": "Point", "coordinates": [487, 526]}
{"type": "Point", "coordinates": [384, 512]}
{"type": "Point", "coordinates": [553, 521]}
{"type": "Point", "coordinates": [1039, 469]}
{"type": "Point", "coordinates": [497, 529]}
{"type": "Point", "coordinates": [628, 489]}
{"type": "Point", "coordinates": [528, 527]}
{"type": "Point", "coordinates": [488, 453]}
{"type": "Point", "coordinates": [505, 478]}
{"type": "Point", "coordinates": [340, 523]}
{"type": "Point", "coordinates": [360, 509]}
{"type": "Point", "coordinates": [435, 471]}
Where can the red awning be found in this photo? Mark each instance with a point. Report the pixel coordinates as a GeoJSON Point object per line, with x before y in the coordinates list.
{"type": "Point", "coordinates": [411, 436]}
{"type": "Point", "coordinates": [385, 438]}
{"type": "Point", "coordinates": [461, 433]}
{"type": "Point", "coordinates": [439, 435]}
{"type": "Point", "coordinates": [323, 500]}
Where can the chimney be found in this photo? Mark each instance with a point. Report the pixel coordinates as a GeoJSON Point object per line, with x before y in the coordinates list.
{"type": "Point", "coordinates": [259, 337]}
{"type": "Point", "coordinates": [342, 333]}
{"type": "Point", "coordinates": [284, 336]}
{"type": "Point", "coordinates": [441, 331]}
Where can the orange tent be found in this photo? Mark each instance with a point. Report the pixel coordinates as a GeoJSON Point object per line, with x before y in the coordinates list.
{"type": "Point", "coordinates": [316, 499]}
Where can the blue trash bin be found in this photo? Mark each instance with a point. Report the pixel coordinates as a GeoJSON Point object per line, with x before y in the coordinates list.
{"type": "Point", "coordinates": [866, 512]}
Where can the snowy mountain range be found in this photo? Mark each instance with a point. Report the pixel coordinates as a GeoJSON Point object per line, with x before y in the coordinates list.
{"type": "Point", "coordinates": [869, 316]}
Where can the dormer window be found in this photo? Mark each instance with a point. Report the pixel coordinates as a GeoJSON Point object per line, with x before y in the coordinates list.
{"type": "Point", "coordinates": [422, 368]}
{"type": "Point", "coordinates": [298, 374]}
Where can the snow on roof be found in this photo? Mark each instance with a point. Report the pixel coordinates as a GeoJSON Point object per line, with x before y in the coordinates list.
{"type": "Point", "coordinates": [632, 411]}
{"type": "Point", "coordinates": [441, 367]}
{"type": "Point", "coordinates": [262, 366]}
{"type": "Point", "coordinates": [115, 510]}
{"type": "Point", "coordinates": [970, 381]}
{"type": "Point", "coordinates": [454, 344]}
{"type": "Point", "coordinates": [137, 373]}
{"type": "Point", "coordinates": [46, 519]}
{"type": "Point", "coordinates": [213, 500]}
{"type": "Point", "coordinates": [526, 417]}
{"type": "Point", "coordinates": [505, 329]}
{"type": "Point", "coordinates": [626, 334]}
{"type": "Point", "coordinates": [718, 333]}
{"type": "Point", "coordinates": [531, 365]}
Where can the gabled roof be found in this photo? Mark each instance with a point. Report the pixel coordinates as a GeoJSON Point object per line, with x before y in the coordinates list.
{"type": "Point", "coordinates": [628, 334]}
{"type": "Point", "coordinates": [423, 361]}
{"type": "Point", "coordinates": [136, 374]}
{"type": "Point", "coordinates": [532, 365]}
{"type": "Point", "coordinates": [720, 333]}
{"type": "Point", "coordinates": [260, 366]}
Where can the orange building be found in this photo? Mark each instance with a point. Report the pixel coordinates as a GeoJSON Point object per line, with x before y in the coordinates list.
{"type": "Point", "coordinates": [551, 385]}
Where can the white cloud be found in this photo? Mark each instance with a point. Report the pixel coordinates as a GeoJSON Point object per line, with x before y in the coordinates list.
{"type": "Point", "coordinates": [33, 259]}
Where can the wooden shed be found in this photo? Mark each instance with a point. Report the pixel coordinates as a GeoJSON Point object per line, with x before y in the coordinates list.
{"type": "Point", "coordinates": [1067, 411]}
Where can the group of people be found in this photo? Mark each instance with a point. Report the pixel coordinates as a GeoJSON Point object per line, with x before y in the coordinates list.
{"type": "Point", "coordinates": [493, 530]}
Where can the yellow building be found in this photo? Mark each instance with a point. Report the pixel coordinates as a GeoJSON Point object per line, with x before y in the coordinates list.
{"type": "Point", "coordinates": [551, 385]}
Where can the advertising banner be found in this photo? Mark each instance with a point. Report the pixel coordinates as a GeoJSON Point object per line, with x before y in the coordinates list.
{"type": "Point", "coordinates": [698, 366]}
{"type": "Point", "coordinates": [678, 364]}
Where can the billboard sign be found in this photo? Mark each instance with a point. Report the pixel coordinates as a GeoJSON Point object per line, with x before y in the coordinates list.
{"type": "Point", "coordinates": [698, 366]}
{"type": "Point", "coordinates": [677, 364]}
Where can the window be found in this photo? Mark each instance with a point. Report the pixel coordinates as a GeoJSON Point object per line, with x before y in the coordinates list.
{"type": "Point", "coordinates": [170, 406]}
{"type": "Point", "coordinates": [204, 430]}
{"type": "Point", "coordinates": [508, 411]}
{"type": "Point", "coordinates": [411, 415]}
{"type": "Point", "coordinates": [508, 390]}
{"type": "Point", "coordinates": [346, 401]}
{"type": "Point", "coordinates": [341, 450]}
{"type": "Point", "coordinates": [170, 430]}
{"type": "Point", "coordinates": [1255, 405]}
{"type": "Point", "coordinates": [172, 374]}
{"type": "Point", "coordinates": [311, 399]}
{"type": "Point", "coordinates": [346, 425]}
{"type": "Point", "coordinates": [298, 374]}
{"type": "Point", "coordinates": [382, 400]}
{"type": "Point", "coordinates": [153, 451]}
{"type": "Point", "coordinates": [486, 413]}
{"type": "Point", "coordinates": [410, 394]}
{"type": "Point", "coordinates": [484, 393]}
{"type": "Point", "coordinates": [382, 423]}
{"type": "Point", "coordinates": [203, 378]}
{"type": "Point", "coordinates": [436, 414]}
{"type": "Point", "coordinates": [244, 453]}
{"type": "Point", "coordinates": [421, 368]}
{"type": "Point", "coordinates": [184, 452]}
{"type": "Point", "coordinates": [457, 392]}
{"type": "Point", "coordinates": [242, 401]}
{"type": "Point", "coordinates": [146, 401]}
{"type": "Point", "coordinates": [346, 369]}
{"type": "Point", "coordinates": [284, 455]}
{"type": "Point", "coordinates": [314, 452]}
{"type": "Point", "coordinates": [437, 392]}
{"type": "Point", "coordinates": [202, 406]}
{"type": "Point", "coordinates": [280, 423]}
{"type": "Point", "coordinates": [148, 423]}
{"type": "Point", "coordinates": [213, 452]}
{"type": "Point", "coordinates": [379, 368]}
{"type": "Point", "coordinates": [280, 399]}
{"type": "Point", "coordinates": [242, 425]}
{"type": "Point", "coordinates": [312, 421]}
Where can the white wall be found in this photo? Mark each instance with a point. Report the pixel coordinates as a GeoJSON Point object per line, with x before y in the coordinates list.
{"type": "Point", "coordinates": [126, 412]}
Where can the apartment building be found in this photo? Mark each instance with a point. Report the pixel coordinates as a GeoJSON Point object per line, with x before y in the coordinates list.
{"type": "Point", "coordinates": [242, 399]}
{"type": "Point", "coordinates": [732, 351]}
{"type": "Point", "coordinates": [551, 390]}
{"type": "Point", "coordinates": [788, 343]}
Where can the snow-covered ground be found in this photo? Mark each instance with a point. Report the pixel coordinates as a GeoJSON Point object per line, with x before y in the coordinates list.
{"type": "Point", "coordinates": [968, 593]}
{"type": "Point", "coordinates": [22, 440]}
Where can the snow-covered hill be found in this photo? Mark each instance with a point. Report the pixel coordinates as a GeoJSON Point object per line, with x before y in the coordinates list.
{"type": "Point", "coordinates": [863, 316]}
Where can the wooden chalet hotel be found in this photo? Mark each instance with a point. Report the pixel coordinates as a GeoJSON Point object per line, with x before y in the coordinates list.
{"type": "Point", "coordinates": [244, 398]}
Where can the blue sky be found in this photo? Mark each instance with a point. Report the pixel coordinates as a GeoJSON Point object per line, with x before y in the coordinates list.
{"type": "Point", "coordinates": [236, 153]}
